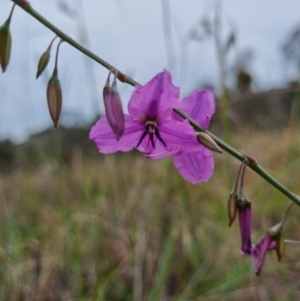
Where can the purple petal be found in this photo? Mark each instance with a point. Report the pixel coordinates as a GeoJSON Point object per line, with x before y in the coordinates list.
{"type": "Point", "coordinates": [259, 252]}
{"type": "Point", "coordinates": [195, 167]}
{"type": "Point", "coordinates": [179, 135]}
{"type": "Point", "coordinates": [105, 140]}
{"type": "Point", "coordinates": [154, 99]}
{"type": "Point", "coordinates": [200, 105]}
{"type": "Point", "coordinates": [160, 152]}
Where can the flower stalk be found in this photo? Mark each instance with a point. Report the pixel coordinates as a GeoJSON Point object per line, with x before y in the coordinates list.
{"type": "Point", "coordinates": [223, 145]}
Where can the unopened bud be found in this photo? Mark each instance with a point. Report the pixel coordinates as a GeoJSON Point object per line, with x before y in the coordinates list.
{"type": "Point", "coordinates": [276, 233]}
{"type": "Point", "coordinates": [54, 98]}
{"type": "Point", "coordinates": [44, 60]}
{"type": "Point", "coordinates": [5, 45]}
{"type": "Point", "coordinates": [208, 142]}
{"type": "Point", "coordinates": [232, 208]}
{"type": "Point", "coordinates": [113, 108]}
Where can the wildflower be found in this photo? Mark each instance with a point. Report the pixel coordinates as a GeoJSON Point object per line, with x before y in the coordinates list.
{"type": "Point", "coordinates": [149, 125]}
{"type": "Point", "coordinates": [273, 239]}
{"type": "Point", "coordinates": [113, 107]}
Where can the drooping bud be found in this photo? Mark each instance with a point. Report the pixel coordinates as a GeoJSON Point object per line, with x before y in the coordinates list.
{"type": "Point", "coordinates": [245, 221]}
{"type": "Point", "coordinates": [44, 60]}
{"type": "Point", "coordinates": [245, 214]}
{"type": "Point", "coordinates": [276, 233]}
{"type": "Point", "coordinates": [232, 207]}
{"type": "Point", "coordinates": [208, 142]}
{"type": "Point", "coordinates": [5, 42]}
{"type": "Point", "coordinates": [54, 97]}
{"type": "Point", "coordinates": [113, 107]}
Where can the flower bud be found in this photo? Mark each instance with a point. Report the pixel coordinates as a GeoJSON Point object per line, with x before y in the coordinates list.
{"type": "Point", "coordinates": [44, 60]}
{"type": "Point", "coordinates": [245, 221]}
{"type": "Point", "coordinates": [5, 45]}
{"type": "Point", "coordinates": [113, 108]}
{"type": "Point", "coordinates": [276, 233]}
{"type": "Point", "coordinates": [232, 207]}
{"type": "Point", "coordinates": [54, 97]}
{"type": "Point", "coordinates": [208, 142]}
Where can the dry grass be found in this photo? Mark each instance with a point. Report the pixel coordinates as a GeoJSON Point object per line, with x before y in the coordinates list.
{"type": "Point", "coordinates": [120, 227]}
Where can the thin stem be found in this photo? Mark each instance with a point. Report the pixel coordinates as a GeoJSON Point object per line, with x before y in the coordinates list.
{"type": "Point", "coordinates": [57, 51]}
{"type": "Point", "coordinates": [234, 190]}
{"type": "Point", "coordinates": [7, 22]}
{"type": "Point", "coordinates": [287, 210]}
{"type": "Point", "coordinates": [30, 10]}
{"type": "Point", "coordinates": [12, 11]}
{"type": "Point", "coordinates": [291, 242]}
{"type": "Point", "coordinates": [50, 45]}
{"type": "Point", "coordinates": [232, 151]}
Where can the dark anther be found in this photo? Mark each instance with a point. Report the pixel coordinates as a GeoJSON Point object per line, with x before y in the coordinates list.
{"type": "Point", "coordinates": [152, 140]}
{"type": "Point", "coordinates": [157, 134]}
{"type": "Point", "coordinates": [142, 138]}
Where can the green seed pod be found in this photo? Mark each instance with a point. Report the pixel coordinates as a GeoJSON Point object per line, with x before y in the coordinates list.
{"type": "Point", "coordinates": [54, 97]}
{"type": "Point", "coordinates": [232, 208]}
{"type": "Point", "coordinates": [43, 62]}
{"type": "Point", "coordinates": [5, 45]}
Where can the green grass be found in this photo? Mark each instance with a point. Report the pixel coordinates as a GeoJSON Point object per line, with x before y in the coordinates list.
{"type": "Point", "coordinates": [120, 227]}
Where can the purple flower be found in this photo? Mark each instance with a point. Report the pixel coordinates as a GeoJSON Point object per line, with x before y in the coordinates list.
{"type": "Point", "coordinates": [259, 251]}
{"type": "Point", "coordinates": [245, 218]}
{"type": "Point", "coordinates": [273, 239]}
{"type": "Point", "coordinates": [149, 125]}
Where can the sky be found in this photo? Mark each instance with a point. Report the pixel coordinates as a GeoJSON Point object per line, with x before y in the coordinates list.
{"type": "Point", "coordinates": [129, 34]}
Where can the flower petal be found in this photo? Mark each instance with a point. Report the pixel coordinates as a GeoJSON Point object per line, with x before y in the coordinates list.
{"type": "Point", "coordinates": [200, 105]}
{"type": "Point", "coordinates": [179, 135]}
{"type": "Point", "coordinates": [160, 152]}
{"type": "Point", "coordinates": [195, 167]}
{"type": "Point", "coordinates": [155, 98]}
{"type": "Point", "coordinates": [259, 252]}
{"type": "Point", "coordinates": [105, 140]}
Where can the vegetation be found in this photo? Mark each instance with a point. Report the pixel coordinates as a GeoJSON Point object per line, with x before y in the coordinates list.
{"type": "Point", "coordinates": [85, 226]}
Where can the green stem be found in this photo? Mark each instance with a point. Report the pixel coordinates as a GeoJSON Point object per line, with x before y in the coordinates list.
{"type": "Point", "coordinates": [233, 152]}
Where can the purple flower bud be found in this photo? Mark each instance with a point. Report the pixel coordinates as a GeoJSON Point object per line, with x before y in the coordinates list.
{"type": "Point", "coordinates": [245, 219]}
{"type": "Point", "coordinates": [54, 98]}
{"type": "Point", "coordinates": [113, 107]}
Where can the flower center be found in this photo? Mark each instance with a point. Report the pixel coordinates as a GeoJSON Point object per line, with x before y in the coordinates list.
{"type": "Point", "coordinates": [151, 130]}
